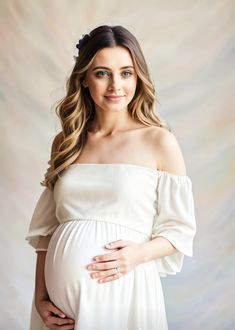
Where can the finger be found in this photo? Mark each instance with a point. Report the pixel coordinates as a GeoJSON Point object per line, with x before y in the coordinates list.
{"type": "Point", "coordinates": [52, 320]}
{"type": "Point", "coordinates": [106, 259]}
{"type": "Point", "coordinates": [56, 310]}
{"type": "Point", "coordinates": [67, 327]}
{"type": "Point", "coordinates": [110, 278]}
{"type": "Point", "coordinates": [119, 244]}
{"type": "Point", "coordinates": [106, 273]}
{"type": "Point", "coordinates": [107, 256]}
{"type": "Point", "coordinates": [104, 265]}
{"type": "Point", "coordinates": [63, 327]}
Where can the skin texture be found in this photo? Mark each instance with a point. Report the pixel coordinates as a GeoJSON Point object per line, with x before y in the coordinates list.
{"type": "Point", "coordinates": [114, 137]}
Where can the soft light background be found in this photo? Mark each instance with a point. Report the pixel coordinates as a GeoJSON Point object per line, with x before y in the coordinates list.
{"type": "Point", "coordinates": [189, 46]}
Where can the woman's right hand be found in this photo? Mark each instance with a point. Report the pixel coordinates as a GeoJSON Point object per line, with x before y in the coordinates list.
{"type": "Point", "coordinates": [48, 312]}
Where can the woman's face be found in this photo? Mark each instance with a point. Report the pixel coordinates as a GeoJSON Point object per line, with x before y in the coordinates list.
{"type": "Point", "coordinates": [112, 73]}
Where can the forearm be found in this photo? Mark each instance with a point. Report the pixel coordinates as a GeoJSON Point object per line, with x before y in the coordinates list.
{"type": "Point", "coordinates": [40, 286]}
{"type": "Point", "coordinates": [156, 248]}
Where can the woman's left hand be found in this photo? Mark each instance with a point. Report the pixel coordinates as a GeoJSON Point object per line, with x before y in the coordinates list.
{"type": "Point", "coordinates": [127, 257]}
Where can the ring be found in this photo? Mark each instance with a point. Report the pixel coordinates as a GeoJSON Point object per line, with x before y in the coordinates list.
{"type": "Point", "coordinates": [117, 271]}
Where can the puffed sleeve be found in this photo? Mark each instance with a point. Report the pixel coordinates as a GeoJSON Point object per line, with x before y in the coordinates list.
{"type": "Point", "coordinates": [174, 220]}
{"type": "Point", "coordinates": [43, 222]}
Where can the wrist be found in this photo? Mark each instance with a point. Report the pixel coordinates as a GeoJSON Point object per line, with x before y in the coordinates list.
{"type": "Point", "coordinates": [39, 303]}
{"type": "Point", "coordinates": [142, 253]}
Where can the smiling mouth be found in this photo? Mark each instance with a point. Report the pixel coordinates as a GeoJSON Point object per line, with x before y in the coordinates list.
{"type": "Point", "coordinates": [113, 98]}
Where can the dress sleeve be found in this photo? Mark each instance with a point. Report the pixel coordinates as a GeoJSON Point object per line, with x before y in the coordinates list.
{"type": "Point", "coordinates": [174, 220]}
{"type": "Point", "coordinates": [43, 222]}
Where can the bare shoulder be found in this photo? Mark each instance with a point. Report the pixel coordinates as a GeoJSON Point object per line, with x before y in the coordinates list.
{"type": "Point", "coordinates": [168, 151]}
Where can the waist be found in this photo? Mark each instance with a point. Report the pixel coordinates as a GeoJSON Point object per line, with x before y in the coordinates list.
{"type": "Point", "coordinates": [113, 224]}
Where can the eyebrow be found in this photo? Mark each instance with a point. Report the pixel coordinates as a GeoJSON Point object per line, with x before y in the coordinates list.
{"type": "Point", "coordinates": [104, 67]}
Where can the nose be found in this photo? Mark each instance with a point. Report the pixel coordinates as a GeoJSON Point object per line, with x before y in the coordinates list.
{"type": "Point", "coordinates": [114, 82]}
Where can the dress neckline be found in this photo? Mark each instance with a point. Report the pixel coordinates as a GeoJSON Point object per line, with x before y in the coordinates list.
{"type": "Point", "coordinates": [150, 169]}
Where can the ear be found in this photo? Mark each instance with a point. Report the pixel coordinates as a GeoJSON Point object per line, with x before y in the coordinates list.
{"type": "Point", "coordinates": [84, 84]}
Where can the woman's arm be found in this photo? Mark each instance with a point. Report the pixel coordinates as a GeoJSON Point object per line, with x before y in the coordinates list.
{"type": "Point", "coordinates": [40, 286]}
{"type": "Point", "coordinates": [46, 309]}
{"type": "Point", "coordinates": [156, 248]}
{"type": "Point", "coordinates": [172, 161]}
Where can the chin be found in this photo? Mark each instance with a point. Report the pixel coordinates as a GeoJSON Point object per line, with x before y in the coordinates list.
{"type": "Point", "coordinates": [114, 106]}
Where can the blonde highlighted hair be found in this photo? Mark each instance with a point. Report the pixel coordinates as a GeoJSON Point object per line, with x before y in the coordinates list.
{"type": "Point", "coordinates": [76, 110]}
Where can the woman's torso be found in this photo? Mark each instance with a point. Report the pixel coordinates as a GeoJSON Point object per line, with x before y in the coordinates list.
{"type": "Point", "coordinates": [100, 204]}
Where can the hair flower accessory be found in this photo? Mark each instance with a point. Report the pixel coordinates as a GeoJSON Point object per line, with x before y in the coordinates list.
{"type": "Point", "coordinates": [83, 41]}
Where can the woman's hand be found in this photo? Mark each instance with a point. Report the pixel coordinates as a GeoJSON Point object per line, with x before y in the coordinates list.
{"type": "Point", "coordinates": [126, 258]}
{"type": "Point", "coordinates": [48, 311]}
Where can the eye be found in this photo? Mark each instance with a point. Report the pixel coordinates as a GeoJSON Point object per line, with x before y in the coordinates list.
{"type": "Point", "coordinates": [100, 73]}
{"type": "Point", "coordinates": [128, 73]}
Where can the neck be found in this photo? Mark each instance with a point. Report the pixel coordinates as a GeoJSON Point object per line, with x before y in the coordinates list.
{"type": "Point", "coordinates": [105, 124]}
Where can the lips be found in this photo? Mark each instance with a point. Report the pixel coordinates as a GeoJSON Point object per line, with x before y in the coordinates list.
{"type": "Point", "coordinates": [114, 96]}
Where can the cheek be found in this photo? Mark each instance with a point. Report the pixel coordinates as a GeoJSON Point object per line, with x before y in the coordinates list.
{"type": "Point", "coordinates": [131, 87]}
{"type": "Point", "coordinates": [96, 90]}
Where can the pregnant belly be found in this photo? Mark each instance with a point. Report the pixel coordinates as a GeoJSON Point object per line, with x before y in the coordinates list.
{"type": "Point", "coordinates": [72, 247]}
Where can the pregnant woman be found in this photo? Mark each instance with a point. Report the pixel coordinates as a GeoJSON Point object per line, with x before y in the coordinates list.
{"type": "Point", "coordinates": [117, 210]}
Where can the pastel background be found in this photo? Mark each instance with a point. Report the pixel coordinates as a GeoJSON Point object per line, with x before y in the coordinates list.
{"type": "Point", "coordinates": [190, 49]}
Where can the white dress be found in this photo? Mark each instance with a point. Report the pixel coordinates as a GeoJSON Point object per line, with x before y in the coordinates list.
{"type": "Point", "coordinates": [92, 205]}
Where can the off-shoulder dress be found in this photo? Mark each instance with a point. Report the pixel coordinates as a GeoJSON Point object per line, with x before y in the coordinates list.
{"type": "Point", "coordinates": [92, 205]}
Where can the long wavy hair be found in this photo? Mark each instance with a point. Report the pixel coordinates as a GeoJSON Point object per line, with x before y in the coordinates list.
{"type": "Point", "coordinates": [77, 109]}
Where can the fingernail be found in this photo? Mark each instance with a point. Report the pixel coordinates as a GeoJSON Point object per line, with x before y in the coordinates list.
{"type": "Point", "coordinates": [62, 315]}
